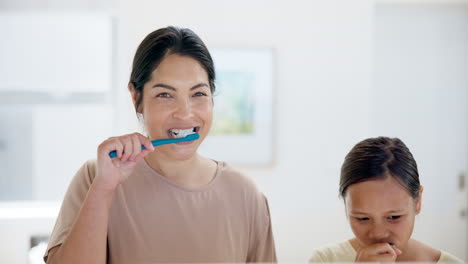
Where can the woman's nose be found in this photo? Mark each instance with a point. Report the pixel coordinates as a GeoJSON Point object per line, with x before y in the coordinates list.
{"type": "Point", "coordinates": [183, 109]}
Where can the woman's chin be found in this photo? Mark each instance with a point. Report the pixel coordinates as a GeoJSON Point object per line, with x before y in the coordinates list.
{"type": "Point", "coordinates": [181, 154]}
{"type": "Point", "coordinates": [176, 152]}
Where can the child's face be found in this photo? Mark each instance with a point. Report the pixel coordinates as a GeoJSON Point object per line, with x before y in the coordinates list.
{"type": "Point", "coordinates": [381, 211]}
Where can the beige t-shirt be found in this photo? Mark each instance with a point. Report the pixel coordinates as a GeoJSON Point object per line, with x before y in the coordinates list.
{"type": "Point", "coordinates": [154, 220]}
{"type": "Point", "coordinates": [344, 252]}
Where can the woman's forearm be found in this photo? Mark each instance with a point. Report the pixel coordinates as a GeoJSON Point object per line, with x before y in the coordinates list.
{"type": "Point", "coordinates": [87, 240]}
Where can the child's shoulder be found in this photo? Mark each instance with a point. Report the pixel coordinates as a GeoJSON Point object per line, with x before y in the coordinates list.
{"type": "Point", "coordinates": [335, 252]}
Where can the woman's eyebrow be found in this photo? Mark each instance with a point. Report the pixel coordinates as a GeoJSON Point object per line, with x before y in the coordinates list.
{"type": "Point", "coordinates": [199, 86]}
{"type": "Point", "coordinates": [165, 86]}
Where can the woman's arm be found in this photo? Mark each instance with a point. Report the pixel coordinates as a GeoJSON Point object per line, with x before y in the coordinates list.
{"type": "Point", "coordinates": [86, 242]}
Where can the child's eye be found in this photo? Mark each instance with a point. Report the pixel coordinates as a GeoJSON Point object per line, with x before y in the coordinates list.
{"type": "Point", "coordinates": [163, 95]}
{"type": "Point", "coordinates": [362, 218]}
{"type": "Point", "coordinates": [394, 217]}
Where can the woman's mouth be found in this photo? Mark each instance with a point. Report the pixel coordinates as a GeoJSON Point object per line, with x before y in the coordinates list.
{"type": "Point", "coordinates": [181, 133]}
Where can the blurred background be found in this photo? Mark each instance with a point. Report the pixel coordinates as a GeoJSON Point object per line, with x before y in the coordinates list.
{"type": "Point", "coordinates": [343, 70]}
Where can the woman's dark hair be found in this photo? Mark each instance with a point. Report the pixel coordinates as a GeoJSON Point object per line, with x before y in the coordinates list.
{"type": "Point", "coordinates": [163, 42]}
{"type": "Point", "coordinates": [377, 159]}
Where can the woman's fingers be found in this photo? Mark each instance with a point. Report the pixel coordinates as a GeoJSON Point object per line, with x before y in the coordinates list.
{"type": "Point", "coordinates": [130, 146]}
{"type": "Point", "coordinates": [127, 148]}
{"type": "Point", "coordinates": [136, 146]}
{"type": "Point", "coordinates": [146, 142]}
{"type": "Point", "coordinates": [109, 145]}
{"type": "Point", "coordinates": [148, 147]}
{"type": "Point", "coordinates": [112, 171]}
{"type": "Point", "coordinates": [142, 154]}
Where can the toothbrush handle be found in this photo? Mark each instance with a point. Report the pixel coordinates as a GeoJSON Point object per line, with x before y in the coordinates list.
{"type": "Point", "coordinates": [164, 141]}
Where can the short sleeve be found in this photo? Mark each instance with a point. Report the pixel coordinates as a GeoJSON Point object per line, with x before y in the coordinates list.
{"type": "Point", "coordinates": [317, 257]}
{"type": "Point", "coordinates": [446, 257]}
{"type": "Point", "coordinates": [263, 248]}
{"type": "Point", "coordinates": [334, 252]}
{"type": "Point", "coordinates": [74, 197]}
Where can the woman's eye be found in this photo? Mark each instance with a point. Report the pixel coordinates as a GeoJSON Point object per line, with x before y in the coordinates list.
{"type": "Point", "coordinates": [394, 217]}
{"type": "Point", "coordinates": [163, 95]}
{"type": "Point", "coordinates": [200, 94]}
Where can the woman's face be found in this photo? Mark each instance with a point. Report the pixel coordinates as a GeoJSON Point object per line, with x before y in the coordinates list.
{"type": "Point", "coordinates": [381, 211]}
{"type": "Point", "coordinates": [177, 98]}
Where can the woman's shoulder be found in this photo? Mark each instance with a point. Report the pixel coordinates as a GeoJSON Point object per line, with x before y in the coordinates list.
{"type": "Point", "coordinates": [235, 179]}
{"type": "Point", "coordinates": [234, 175]}
{"type": "Point", "coordinates": [334, 252]}
{"type": "Point", "coordinates": [88, 169]}
{"type": "Point", "coordinates": [85, 174]}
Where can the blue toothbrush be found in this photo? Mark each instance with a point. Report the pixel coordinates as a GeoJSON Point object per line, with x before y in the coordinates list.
{"type": "Point", "coordinates": [164, 141]}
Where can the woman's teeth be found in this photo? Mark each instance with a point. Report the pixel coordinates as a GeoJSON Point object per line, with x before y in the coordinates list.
{"type": "Point", "coordinates": [180, 133]}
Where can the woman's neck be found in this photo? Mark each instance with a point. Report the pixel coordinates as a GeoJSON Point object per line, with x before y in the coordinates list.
{"type": "Point", "coordinates": [194, 172]}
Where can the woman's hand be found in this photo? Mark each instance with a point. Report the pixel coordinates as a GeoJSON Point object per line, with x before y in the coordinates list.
{"type": "Point", "coordinates": [379, 252]}
{"type": "Point", "coordinates": [113, 171]}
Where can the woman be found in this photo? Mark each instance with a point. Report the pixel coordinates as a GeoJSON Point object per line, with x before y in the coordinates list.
{"type": "Point", "coordinates": [380, 187]}
{"type": "Point", "coordinates": [167, 204]}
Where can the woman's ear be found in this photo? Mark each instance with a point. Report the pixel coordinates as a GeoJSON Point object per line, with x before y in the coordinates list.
{"type": "Point", "coordinates": [134, 94]}
{"type": "Point", "coordinates": [419, 201]}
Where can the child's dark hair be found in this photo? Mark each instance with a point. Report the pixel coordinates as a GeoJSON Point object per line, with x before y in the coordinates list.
{"type": "Point", "coordinates": [378, 158]}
